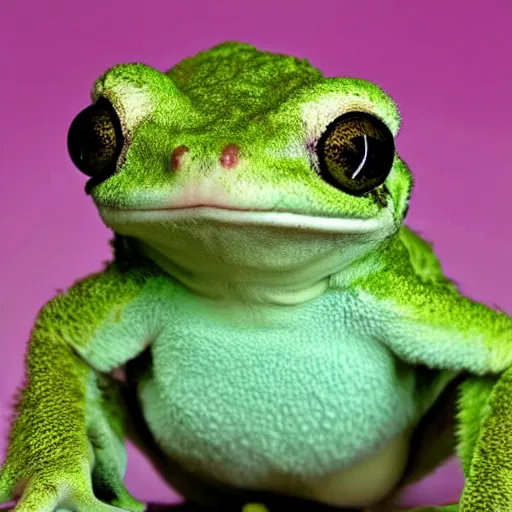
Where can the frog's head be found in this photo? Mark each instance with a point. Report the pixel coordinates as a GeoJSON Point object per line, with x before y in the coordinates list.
{"type": "Point", "coordinates": [244, 166]}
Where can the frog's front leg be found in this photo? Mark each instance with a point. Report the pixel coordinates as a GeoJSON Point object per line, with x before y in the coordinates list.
{"type": "Point", "coordinates": [66, 446]}
{"type": "Point", "coordinates": [425, 322]}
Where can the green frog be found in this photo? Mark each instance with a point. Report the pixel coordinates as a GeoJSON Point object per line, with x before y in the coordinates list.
{"type": "Point", "coordinates": [268, 329]}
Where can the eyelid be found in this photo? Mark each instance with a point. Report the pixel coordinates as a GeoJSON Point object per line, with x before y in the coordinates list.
{"type": "Point", "coordinates": [317, 114]}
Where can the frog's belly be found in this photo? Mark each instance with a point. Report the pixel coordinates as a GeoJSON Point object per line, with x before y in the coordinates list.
{"type": "Point", "coordinates": [366, 483]}
{"type": "Point", "coordinates": [315, 415]}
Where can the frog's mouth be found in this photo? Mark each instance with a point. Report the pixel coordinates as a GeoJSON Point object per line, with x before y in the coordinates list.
{"type": "Point", "coordinates": [382, 224]}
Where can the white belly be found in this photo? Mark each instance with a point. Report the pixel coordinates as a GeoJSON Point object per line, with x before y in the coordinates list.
{"type": "Point", "coordinates": [318, 409]}
{"type": "Point", "coordinates": [366, 483]}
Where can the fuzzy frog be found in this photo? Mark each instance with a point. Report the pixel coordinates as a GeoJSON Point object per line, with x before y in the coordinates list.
{"type": "Point", "coordinates": [268, 330]}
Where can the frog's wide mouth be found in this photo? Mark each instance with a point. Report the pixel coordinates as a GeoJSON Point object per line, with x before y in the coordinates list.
{"type": "Point", "coordinates": [271, 218]}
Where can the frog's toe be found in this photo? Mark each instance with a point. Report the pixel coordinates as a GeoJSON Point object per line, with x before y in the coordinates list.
{"type": "Point", "coordinates": [254, 507]}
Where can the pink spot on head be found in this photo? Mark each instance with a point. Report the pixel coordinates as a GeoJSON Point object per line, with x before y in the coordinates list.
{"type": "Point", "coordinates": [229, 157]}
{"type": "Point", "coordinates": [176, 157]}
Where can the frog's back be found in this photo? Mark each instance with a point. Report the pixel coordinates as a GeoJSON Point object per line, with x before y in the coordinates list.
{"type": "Point", "coordinates": [422, 257]}
{"type": "Point", "coordinates": [244, 79]}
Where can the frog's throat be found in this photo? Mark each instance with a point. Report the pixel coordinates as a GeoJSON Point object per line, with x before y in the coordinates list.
{"type": "Point", "coordinates": [253, 256]}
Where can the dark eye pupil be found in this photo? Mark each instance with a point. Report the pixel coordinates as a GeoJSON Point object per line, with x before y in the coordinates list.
{"type": "Point", "coordinates": [99, 141]}
{"type": "Point", "coordinates": [95, 140]}
{"type": "Point", "coordinates": [356, 153]}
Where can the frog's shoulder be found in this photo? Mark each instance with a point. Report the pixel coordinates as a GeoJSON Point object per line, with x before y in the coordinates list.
{"type": "Point", "coordinates": [422, 256]}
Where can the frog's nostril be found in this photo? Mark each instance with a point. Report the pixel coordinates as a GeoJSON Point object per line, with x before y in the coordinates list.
{"type": "Point", "coordinates": [176, 157]}
{"type": "Point", "coordinates": [229, 156]}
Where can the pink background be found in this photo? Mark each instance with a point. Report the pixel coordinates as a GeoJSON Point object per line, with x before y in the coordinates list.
{"type": "Point", "coordinates": [446, 63]}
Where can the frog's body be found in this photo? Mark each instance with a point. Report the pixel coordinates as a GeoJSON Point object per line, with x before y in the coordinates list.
{"type": "Point", "coordinates": [298, 334]}
{"type": "Point", "coordinates": [265, 412]}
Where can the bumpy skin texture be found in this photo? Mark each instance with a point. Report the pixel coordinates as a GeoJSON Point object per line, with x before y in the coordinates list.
{"type": "Point", "coordinates": [293, 330]}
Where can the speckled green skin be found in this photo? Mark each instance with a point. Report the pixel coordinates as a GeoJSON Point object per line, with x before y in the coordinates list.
{"type": "Point", "coordinates": [254, 100]}
{"type": "Point", "coordinates": [259, 288]}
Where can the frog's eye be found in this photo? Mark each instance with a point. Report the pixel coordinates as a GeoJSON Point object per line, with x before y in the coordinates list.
{"type": "Point", "coordinates": [356, 153]}
{"type": "Point", "coordinates": [95, 140]}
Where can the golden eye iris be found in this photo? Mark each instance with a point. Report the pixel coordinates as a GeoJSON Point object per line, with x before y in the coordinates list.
{"type": "Point", "coordinates": [356, 153]}
{"type": "Point", "coordinates": [95, 140]}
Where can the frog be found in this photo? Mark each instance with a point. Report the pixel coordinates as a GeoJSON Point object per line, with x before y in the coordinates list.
{"type": "Point", "coordinates": [269, 330]}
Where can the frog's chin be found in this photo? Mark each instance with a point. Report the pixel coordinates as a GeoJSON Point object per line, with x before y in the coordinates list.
{"type": "Point", "coordinates": [224, 253]}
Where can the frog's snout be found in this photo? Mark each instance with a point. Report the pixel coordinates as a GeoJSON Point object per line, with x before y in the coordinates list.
{"type": "Point", "coordinates": [229, 156]}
